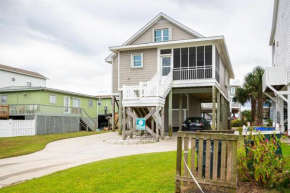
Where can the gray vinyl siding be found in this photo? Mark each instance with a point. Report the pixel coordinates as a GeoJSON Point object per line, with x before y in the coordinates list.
{"type": "Point", "coordinates": [133, 76]}
{"type": "Point", "coordinates": [115, 74]}
{"type": "Point", "coordinates": [177, 33]}
{"type": "Point", "coordinates": [222, 78]}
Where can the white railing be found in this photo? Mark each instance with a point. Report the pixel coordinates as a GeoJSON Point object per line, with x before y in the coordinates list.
{"type": "Point", "coordinates": [192, 73]}
{"type": "Point", "coordinates": [167, 83]}
{"type": "Point", "coordinates": [276, 75]}
{"type": "Point", "coordinates": [13, 128]}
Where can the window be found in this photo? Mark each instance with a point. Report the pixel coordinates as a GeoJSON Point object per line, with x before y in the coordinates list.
{"type": "Point", "coordinates": [99, 102]}
{"type": "Point", "coordinates": [90, 103]}
{"type": "Point", "coordinates": [76, 103]}
{"type": "Point", "coordinates": [3, 98]}
{"type": "Point", "coordinates": [13, 79]}
{"type": "Point", "coordinates": [233, 90]}
{"type": "Point", "coordinates": [28, 84]}
{"type": "Point", "coordinates": [137, 61]}
{"type": "Point", "coordinates": [52, 99]}
{"type": "Point", "coordinates": [161, 35]}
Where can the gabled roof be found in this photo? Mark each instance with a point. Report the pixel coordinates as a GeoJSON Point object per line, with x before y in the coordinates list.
{"type": "Point", "coordinates": [156, 19]}
{"type": "Point", "coordinates": [21, 71]}
{"type": "Point", "coordinates": [150, 24]}
{"type": "Point", "coordinates": [274, 21]}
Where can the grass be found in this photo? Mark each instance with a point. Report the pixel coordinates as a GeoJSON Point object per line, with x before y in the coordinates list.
{"type": "Point", "coordinates": [16, 146]}
{"type": "Point", "coordinates": [154, 172]}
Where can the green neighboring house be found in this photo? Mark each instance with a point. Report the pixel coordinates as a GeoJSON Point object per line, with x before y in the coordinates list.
{"type": "Point", "coordinates": [105, 109]}
{"type": "Point", "coordinates": [53, 108]}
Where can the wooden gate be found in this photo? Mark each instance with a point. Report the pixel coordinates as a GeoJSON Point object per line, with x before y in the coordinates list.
{"type": "Point", "coordinates": [4, 111]}
{"type": "Point", "coordinates": [212, 159]}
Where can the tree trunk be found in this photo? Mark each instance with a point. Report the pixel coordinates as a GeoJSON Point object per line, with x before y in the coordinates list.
{"type": "Point", "coordinates": [253, 109]}
{"type": "Point", "coordinates": [260, 111]}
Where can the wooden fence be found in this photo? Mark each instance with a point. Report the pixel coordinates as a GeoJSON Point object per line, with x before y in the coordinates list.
{"type": "Point", "coordinates": [13, 128]}
{"type": "Point", "coordinates": [212, 159]}
{"type": "Point", "coordinates": [4, 112]}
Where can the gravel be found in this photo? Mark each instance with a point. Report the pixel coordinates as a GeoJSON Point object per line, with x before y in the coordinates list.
{"type": "Point", "coordinates": [144, 139]}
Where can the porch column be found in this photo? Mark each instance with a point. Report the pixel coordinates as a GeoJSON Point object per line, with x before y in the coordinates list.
{"type": "Point", "coordinates": [275, 112]}
{"type": "Point", "coordinates": [124, 123]}
{"type": "Point", "coordinates": [218, 116]}
{"type": "Point", "coordinates": [180, 112]}
{"type": "Point", "coordinates": [162, 123]}
{"type": "Point", "coordinates": [131, 122]}
{"type": "Point", "coordinates": [113, 114]}
{"type": "Point", "coordinates": [280, 108]}
{"type": "Point", "coordinates": [120, 112]}
{"type": "Point", "coordinates": [288, 109]}
{"type": "Point", "coordinates": [223, 113]}
{"type": "Point", "coordinates": [170, 113]}
{"type": "Point", "coordinates": [213, 107]}
{"type": "Point", "coordinates": [157, 123]}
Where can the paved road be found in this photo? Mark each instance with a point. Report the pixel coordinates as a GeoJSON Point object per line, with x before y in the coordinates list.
{"type": "Point", "coordinates": [67, 153]}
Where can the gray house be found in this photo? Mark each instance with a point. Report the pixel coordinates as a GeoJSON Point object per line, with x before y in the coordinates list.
{"type": "Point", "coordinates": [165, 71]}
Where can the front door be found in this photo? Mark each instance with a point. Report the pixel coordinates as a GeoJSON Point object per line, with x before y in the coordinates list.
{"type": "Point", "coordinates": [166, 65]}
{"type": "Point", "coordinates": [66, 104]}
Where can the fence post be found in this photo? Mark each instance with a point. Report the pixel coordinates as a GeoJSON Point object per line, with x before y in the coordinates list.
{"type": "Point", "coordinates": [10, 127]}
{"type": "Point", "coordinates": [178, 162]}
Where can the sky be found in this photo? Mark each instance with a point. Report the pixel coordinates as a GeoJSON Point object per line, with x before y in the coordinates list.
{"type": "Point", "coordinates": [68, 40]}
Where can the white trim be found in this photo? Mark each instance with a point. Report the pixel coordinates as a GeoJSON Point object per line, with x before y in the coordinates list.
{"type": "Point", "coordinates": [156, 19]}
{"type": "Point", "coordinates": [213, 60]}
{"type": "Point", "coordinates": [132, 60]}
{"type": "Point", "coordinates": [119, 70]}
{"type": "Point", "coordinates": [68, 107]}
{"type": "Point", "coordinates": [50, 99]}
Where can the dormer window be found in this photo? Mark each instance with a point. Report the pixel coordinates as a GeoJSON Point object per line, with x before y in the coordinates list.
{"type": "Point", "coordinates": [161, 35]}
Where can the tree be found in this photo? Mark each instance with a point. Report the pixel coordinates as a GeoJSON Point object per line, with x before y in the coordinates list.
{"type": "Point", "coordinates": [252, 91]}
{"type": "Point", "coordinates": [247, 114]}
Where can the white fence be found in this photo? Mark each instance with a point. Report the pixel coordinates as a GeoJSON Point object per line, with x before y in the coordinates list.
{"type": "Point", "coordinates": [13, 128]}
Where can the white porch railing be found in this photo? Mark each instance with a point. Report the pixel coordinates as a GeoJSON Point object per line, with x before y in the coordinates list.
{"type": "Point", "coordinates": [192, 73]}
{"type": "Point", "coordinates": [149, 88]}
{"type": "Point", "coordinates": [13, 128]}
{"type": "Point", "coordinates": [276, 75]}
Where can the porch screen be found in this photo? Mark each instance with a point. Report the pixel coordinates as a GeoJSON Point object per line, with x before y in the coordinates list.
{"type": "Point", "coordinates": [192, 63]}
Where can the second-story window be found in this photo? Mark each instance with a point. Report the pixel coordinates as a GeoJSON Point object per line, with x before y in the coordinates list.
{"type": "Point", "coordinates": [52, 99]}
{"type": "Point", "coordinates": [233, 90]}
{"type": "Point", "coordinates": [90, 103]}
{"type": "Point", "coordinates": [28, 84]}
{"type": "Point", "coordinates": [161, 35]}
{"type": "Point", "coordinates": [3, 99]}
{"type": "Point", "coordinates": [99, 102]}
{"type": "Point", "coordinates": [137, 60]}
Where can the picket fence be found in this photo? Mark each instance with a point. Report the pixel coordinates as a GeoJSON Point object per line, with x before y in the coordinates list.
{"type": "Point", "coordinates": [13, 128]}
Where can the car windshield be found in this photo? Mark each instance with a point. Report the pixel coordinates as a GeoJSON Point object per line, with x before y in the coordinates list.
{"type": "Point", "coordinates": [194, 120]}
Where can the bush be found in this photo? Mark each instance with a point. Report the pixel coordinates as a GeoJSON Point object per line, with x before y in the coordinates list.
{"type": "Point", "coordinates": [237, 123]}
{"type": "Point", "coordinates": [259, 163]}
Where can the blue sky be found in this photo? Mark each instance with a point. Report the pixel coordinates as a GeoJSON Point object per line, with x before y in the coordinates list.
{"type": "Point", "coordinates": [68, 40]}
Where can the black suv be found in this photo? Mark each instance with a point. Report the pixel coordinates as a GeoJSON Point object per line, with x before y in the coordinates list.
{"type": "Point", "coordinates": [195, 123]}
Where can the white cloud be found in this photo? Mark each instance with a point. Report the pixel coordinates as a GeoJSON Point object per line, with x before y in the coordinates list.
{"type": "Point", "coordinates": [67, 41]}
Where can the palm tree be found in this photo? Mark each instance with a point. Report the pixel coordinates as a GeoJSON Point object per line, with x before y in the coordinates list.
{"type": "Point", "coordinates": [252, 91]}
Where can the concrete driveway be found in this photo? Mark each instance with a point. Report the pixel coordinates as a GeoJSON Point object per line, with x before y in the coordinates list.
{"type": "Point", "coordinates": [67, 153]}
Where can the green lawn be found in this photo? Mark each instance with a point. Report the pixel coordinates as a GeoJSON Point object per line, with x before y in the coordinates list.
{"type": "Point", "coordinates": [154, 172]}
{"type": "Point", "coordinates": [144, 173]}
{"type": "Point", "coordinates": [15, 146]}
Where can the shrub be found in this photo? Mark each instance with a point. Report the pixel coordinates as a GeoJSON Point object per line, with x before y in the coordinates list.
{"type": "Point", "coordinates": [237, 123]}
{"type": "Point", "coordinates": [259, 163]}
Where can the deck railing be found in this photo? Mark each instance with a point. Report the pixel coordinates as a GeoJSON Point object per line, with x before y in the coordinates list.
{"type": "Point", "coordinates": [212, 159]}
{"type": "Point", "coordinates": [4, 111]}
{"type": "Point", "coordinates": [49, 110]}
{"type": "Point", "coordinates": [192, 73]}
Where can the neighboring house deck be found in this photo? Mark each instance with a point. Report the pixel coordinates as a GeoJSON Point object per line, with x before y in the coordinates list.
{"type": "Point", "coordinates": [235, 107]}
{"type": "Point", "coordinates": [51, 106]}
{"type": "Point", "coordinates": [168, 67]}
{"type": "Point", "coordinates": [276, 79]}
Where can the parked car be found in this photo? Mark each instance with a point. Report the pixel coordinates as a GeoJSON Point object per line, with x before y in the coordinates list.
{"type": "Point", "coordinates": [195, 123]}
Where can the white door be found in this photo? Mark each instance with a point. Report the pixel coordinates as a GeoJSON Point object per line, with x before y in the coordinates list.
{"type": "Point", "coordinates": [66, 105]}
{"type": "Point", "coordinates": [76, 103]}
{"type": "Point", "coordinates": [166, 65]}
